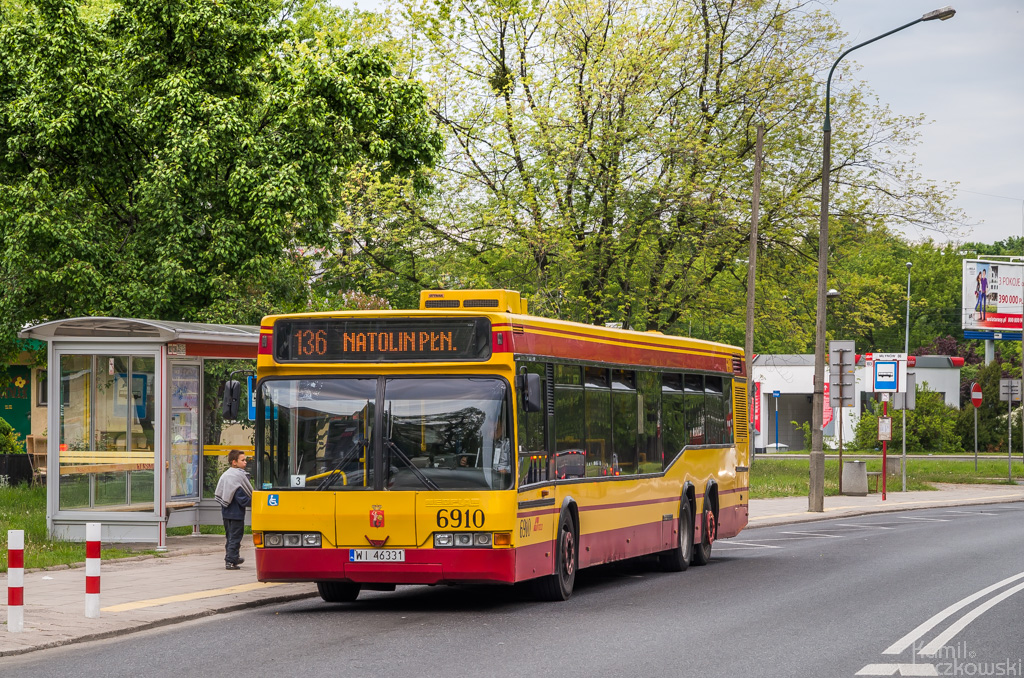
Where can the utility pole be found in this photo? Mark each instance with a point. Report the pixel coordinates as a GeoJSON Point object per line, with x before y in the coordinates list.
{"type": "Point", "coordinates": [755, 209]}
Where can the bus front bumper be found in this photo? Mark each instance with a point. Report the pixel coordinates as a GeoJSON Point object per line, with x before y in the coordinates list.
{"type": "Point", "coordinates": [421, 566]}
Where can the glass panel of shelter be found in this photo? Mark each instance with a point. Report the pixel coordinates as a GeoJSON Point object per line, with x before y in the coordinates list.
{"type": "Point", "coordinates": [106, 433]}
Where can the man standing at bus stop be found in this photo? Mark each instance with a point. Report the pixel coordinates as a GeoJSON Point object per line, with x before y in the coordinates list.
{"type": "Point", "coordinates": [234, 494]}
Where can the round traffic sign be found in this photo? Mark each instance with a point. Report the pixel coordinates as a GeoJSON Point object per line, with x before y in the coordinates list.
{"type": "Point", "coordinates": [976, 394]}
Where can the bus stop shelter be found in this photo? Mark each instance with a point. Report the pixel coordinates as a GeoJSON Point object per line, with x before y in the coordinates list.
{"type": "Point", "coordinates": [135, 434]}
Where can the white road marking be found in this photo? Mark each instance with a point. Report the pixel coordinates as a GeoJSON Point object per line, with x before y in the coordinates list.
{"type": "Point", "coordinates": [974, 513]}
{"type": "Point", "coordinates": [943, 638]}
{"type": "Point", "coordinates": [929, 520]}
{"type": "Point", "coordinates": [750, 544]}
{"type": "Point", "coordinates": [816, 534]}
{"type": "Point", "coordinates": [901, 669]}
{"type": "Point", "coordinates": [868, 527]}
{"type": "Point", "coordinates": [906, 641]}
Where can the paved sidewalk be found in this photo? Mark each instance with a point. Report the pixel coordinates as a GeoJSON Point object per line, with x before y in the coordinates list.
{"type": "Point", "coordinates": [190, 581]}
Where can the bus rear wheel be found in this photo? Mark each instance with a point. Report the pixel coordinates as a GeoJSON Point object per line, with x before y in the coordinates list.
{"type": "Point", "coordinates": [558, 586]}
{"type": "Point", "coordinates": [338, 591]}
{"type": "Point", "coordinates": [678, 558]}
{"type": "Point", "coordinates": [708, 530]}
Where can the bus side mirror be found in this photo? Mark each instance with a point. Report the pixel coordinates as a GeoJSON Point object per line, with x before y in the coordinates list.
{"type": "Point", "coordinates": [529, 388]}
{"type": "Point", "coordinates": [229, 402]}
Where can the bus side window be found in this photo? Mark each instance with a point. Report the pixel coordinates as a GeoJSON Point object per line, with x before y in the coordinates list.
{"type": "Point", "coordinates": [530, 444]}
{"type": "Point", "coordinates": [651, 455]}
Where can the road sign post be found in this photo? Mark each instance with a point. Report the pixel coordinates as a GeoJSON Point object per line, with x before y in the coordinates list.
{"type": "Point", "coordinates": [976, 401]}
{"type": "Point", "coordinates": [775, 399]}
{"type": "Point", "coordinates": [842, 385]}
{"type": "Point", "coordinates": [1009, 390]}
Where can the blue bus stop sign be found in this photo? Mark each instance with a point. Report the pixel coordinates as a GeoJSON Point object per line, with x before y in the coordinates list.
{"type": "Point", "coordinates": [251, 382]}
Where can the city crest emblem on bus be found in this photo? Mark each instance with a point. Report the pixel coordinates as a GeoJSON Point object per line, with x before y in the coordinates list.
{"type": "Point", "coordinates": [376, 517]}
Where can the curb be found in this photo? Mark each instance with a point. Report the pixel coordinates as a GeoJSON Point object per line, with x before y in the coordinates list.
{"type": "Point", "coordinates": [794, 520]}
{"type": "Point", "coordinates": [167, 621]}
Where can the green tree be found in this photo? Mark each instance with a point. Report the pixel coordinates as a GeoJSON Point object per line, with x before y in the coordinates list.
{"type": "Point", "coordinates": [599, 159]}
{"type": "Point", "coordinates": [184, 159]}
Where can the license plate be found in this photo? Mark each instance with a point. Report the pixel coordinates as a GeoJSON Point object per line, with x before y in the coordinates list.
{"type": "Point", "coordinates": [376, 555]}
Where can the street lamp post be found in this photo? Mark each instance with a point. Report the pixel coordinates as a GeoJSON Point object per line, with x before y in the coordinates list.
{"type": "Point", "coordinates": [816, 493]}
{"type": "Point", "coordinates": [906, 396]}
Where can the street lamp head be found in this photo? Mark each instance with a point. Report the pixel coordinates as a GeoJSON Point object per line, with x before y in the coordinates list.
{"type": "Point", "coordinates": [909, 264]}
{"type": "Point", "coordinates": [940, 14]}
{"type": "Point", "coordinates": [832, 293]}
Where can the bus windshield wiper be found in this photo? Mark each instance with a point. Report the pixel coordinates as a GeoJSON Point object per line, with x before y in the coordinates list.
{"type": "Point", "coordinates": [430, 484]}
{"type": "Point", "coordinates": [335, 470]}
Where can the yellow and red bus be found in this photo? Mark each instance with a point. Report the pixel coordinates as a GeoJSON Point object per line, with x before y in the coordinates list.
{"type": "Point", "coordinates": [469, 441]}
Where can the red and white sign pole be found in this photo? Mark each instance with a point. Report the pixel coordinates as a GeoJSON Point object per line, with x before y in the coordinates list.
{"type": "Point", "coordinates": [15, 581]}
{"type": "Point", "coordinates": [92, 570]}
{"type": "Point", "coordinates": [976, 401]}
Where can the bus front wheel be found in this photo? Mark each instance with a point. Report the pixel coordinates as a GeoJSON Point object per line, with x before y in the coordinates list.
{"type": "Point", "coordinates": [338, 591]}
{"type": "Point", "coordinates": [558, 586]}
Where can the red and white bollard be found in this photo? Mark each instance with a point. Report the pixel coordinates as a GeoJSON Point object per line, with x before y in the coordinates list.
{"type": "Point", "coordinates": [15, 581]}
{"type": "Point", "coordinates": [92, 570]}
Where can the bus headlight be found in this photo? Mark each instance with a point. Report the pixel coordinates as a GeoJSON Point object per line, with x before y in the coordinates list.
{"type": "Point", "coordinates": [292, 539]}
{"type": "Point", "coordinates": [483, 540]}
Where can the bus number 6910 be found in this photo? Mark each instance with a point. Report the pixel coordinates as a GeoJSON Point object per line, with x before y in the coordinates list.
{"type": "Point", "coordinates": [457, 518]}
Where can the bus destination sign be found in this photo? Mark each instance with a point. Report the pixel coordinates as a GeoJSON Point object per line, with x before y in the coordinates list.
{"type": "Point", "coordinates": [382, 339]}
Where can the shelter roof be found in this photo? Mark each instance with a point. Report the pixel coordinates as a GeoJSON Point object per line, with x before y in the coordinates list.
{"type": "Point", "coordinates": [135, 328]}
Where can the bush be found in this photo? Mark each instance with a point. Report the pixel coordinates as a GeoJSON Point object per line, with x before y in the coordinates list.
{"type": "Point", "coordinates": [9, 439]}
{"type": "Point", "coordinates": [931, 427]}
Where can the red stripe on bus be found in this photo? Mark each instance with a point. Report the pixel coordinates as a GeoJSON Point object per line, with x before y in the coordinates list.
{"type": "Point", "coordinates": [625, 340]}
{"type": "Point", "coordinates": [573, 348]}
{"type": "Point", "coordinates": [627, 504]}
{"type": "Point", "coordinates": [421, 566]}
{"type": "Point", "coordinates": [539, 512]}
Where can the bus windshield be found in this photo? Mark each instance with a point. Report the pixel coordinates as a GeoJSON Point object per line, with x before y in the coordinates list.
{"type": "Point", "coordinates": [435, 434]}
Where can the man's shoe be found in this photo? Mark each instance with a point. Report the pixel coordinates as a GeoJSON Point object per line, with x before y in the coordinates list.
{"type": "Point", "coordinates": [231, 566]}
{"type": "Point", "coordinates": [239, 560]}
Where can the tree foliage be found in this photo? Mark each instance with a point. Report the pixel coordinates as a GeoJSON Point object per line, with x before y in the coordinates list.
{"type": "Point", "coordinates": [599, 158]}
{"type": "Point", "coordinates": [176, 158]}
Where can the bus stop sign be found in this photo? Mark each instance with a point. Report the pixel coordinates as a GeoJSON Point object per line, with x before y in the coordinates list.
{"type": "Point", "coordinates": [976, 394]}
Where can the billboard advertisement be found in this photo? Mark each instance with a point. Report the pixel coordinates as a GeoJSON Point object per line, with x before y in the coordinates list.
{"type": "Point", "coordinates": [992, 296]}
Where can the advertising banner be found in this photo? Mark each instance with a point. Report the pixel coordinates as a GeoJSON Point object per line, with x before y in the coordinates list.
{"type": "Point", "coordinates": [757, 406]}
{"type": "Point", "coordinates": [992, 296]}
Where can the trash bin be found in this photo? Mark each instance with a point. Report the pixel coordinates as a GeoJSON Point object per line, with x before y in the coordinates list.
{"type": "Point", "coordinates": [855, 478]}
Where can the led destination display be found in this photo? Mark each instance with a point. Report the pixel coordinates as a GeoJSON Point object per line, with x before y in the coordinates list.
{"type": "Point", "coordinates": [382, 340]}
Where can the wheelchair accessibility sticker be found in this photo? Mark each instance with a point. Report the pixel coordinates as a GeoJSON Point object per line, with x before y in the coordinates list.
{"type": "Point", "coordinates": [272, 500]}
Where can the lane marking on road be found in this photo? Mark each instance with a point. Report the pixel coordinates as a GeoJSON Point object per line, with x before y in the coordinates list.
{"type": "Point", "coordinates": [816, 534]}
{"type": "Point", "coordinates": [906, 641]}
{"type": "Point", "coordinates": [943, 638]}
{"type": "Point", "coordinates": [901, 669]}
{"type": "Point", "coordinates": [974, 513]}
{"type": "Point", "coordinates": [182, 597]}
{"type": "Point", "coordinates": [748, 544]}
{"type": "Point", "coordinates": [927, 520]}
{"type": "Point", "coordinates": [866, 527]}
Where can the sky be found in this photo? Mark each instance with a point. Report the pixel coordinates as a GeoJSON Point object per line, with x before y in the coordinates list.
{"type": "Point", "coordinates": [966, 75]}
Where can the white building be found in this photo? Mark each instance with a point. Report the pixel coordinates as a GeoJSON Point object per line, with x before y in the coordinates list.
{"type": "Point", "coordinates": [792, 378]}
